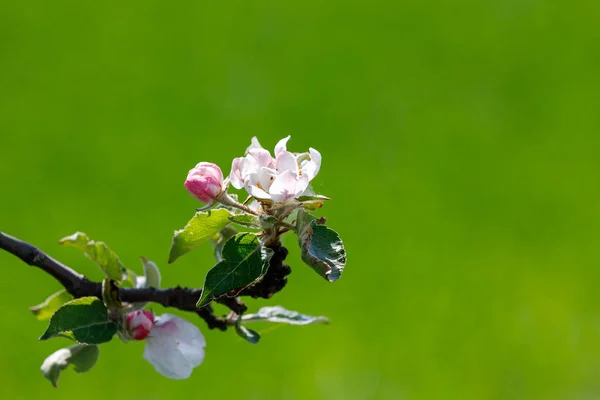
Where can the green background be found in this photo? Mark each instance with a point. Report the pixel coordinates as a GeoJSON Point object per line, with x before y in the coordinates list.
{"type": "Point", "coordinates": [460, 146]}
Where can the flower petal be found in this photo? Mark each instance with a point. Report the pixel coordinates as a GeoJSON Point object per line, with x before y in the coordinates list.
{"type": "Point", "coordinates": [283, 187]}
{"type": "Point", "coordinates": [286, 161]}
{"type": "Point", "coordinates": [207, 169]}
{"type": "Point", "coordinates": [266, 176]}
{"type": "Point", "coordinates": [262, 157]}
{"type": "Point", "coordinates": [311, 167]}
{"type": "Point", "coordinates": [281, 145]}
{"type": "Point", "coordinates": [235, 176]}
{"type": "Point", "coordinates": [257, 192]}
{"type": "Point", "coordinates": [254, 144]}
{"type": "Point", "coordinates": [301, 185]}
{"type": "Point", "coordinates": [175, 347]}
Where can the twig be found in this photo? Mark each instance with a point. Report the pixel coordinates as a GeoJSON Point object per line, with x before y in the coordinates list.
{"type": "Point", "coordinates": [79, 286]}
{"type": "Point", "coordinates": [178, 297]}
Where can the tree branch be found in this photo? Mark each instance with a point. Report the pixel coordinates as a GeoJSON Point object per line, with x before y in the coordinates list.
{"type": "Point", "coordinates": [178, 297]}
{"type": "Point", "coordinates": [79, 286]}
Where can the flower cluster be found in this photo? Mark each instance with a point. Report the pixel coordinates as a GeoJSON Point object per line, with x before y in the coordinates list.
{"type": "Point", "coordinates": [174, 346]}
{"type": "Point", "coordinates": [278, 179]}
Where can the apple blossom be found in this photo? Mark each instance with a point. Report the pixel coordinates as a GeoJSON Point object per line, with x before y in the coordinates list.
{"type": "Point", "coordinates": [174, 347]}
{"type": "Point", "coordinates": [205, 182]}
{"type": "Point", "coordinates": [279, 179]}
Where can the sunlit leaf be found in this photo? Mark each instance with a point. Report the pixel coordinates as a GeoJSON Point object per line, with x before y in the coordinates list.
{"type": "Point", "coordinates": [204, 225]}
{"type": "Point", "coordinates": [320, 247]}
{"type": "Point", "coordinates": [279, 314]}
{"type": "Point", "coordinates": [245, 260]}
{"type": "Point", "coordinates": [46, 309]}
{"type": "Point", "coordinates": [99, 253]}
{"type": "Point", "coordinates": [84, 319]}
{"type": "Point", "coordinates": [81, 356]}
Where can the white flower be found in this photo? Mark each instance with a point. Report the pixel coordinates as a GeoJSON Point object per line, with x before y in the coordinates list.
{"type": "Point", "coordinates": [174, 347]}
{"type": "Point", "coordinates": [279, 179]}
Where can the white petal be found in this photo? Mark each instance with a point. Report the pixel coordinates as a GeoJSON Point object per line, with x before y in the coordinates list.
{"type": "Point", "coordinates": [251, 179]}
{"type": "Point", "coordinates": [286, 161]}
{"type": "Point", "coordinates": [254, 205]}
{"type": "Point", "coordinates": [262, 157]}
{"type": "Point", "coordinates": [254, 144]}
{"type": "Point", "coordinates": [257, 192]}
{"type": "Point", "coordinates": [301, 185]}
{"type": "Point", "coordinates": [284, 186]}
{"type": "Point", "coordinates": [266, 176]}
{"type": "Point", "coordinates": [248, 165]}
{"type": "Point", "coordinates": [175, 347]}
{"type": "Point", "coordinates": [311, 167]}
{"type": "Point", "coordinates": [281, 145]}
{"type": "Point", "coordinates": [235, 177]}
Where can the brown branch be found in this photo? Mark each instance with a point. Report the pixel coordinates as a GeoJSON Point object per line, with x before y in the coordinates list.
{"type": "Point", "coordinates": [79, 286]}
{"type": "Point", "coordinates": [178, 297]}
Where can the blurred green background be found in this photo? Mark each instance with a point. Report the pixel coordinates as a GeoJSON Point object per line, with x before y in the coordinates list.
{"type": "Point", "coordinates": [460, 146]}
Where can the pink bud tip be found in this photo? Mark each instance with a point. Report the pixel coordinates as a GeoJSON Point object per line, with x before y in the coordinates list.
{"type": "Point", "coordinates": [205, 182]}
{"type": "Point", "coordinates": [139, 324]}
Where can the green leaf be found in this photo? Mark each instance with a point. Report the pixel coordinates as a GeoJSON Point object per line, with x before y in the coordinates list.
{"type": "Point", "coordinates": [279, 314]}
{"type": "Point", "coordinates": [220, 239]}
{"type": "Point", "coordinates": [316, 197]}
{"type": "Point", "coordinates": [312, 205]}
{"type": "Point", "coordinates": [247, 220]}
{"type": "Point", "coordinates": [106, 259]}
{"type": "Point", "coordinates": [321, 248]}
{"type": "Point", "coordinates": [84, 319]}
{"type": "Point", "coordinates": [246, 333]}
{"type": "Point", "coordinates": [245, 261]}
{"type": "Point", "coordinates": [110, 294]}
{"type": "Point", "coordinates": [204, 225]}
{"type": "Point", "coordinates": [78, 240]}
{"type": "Point", "coordinates": [130, 279]}
{"type": "Point", "coordinates": [46, 309]}
{"type": "Point", "coordinates": [151, 275]}
{"type": "Point", "coordinates": [99, 253]}
{"type": "Point", "coordinates": [81, 356]}
{"type": "Point", "coordinates": [267, 222]}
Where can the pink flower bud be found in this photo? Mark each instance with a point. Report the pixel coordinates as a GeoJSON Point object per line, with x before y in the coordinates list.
{"type": "Point", "coordinates": [139, 324]}
{"type": "Point", "coordinates": [205, 182]}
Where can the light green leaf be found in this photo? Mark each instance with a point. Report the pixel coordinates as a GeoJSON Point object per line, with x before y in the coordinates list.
{"type": "Point", "coordinates": [244, 262]}
{"type": "Point", "coordinates": [316, 197]}
{"type": "Point", "coordinates": [151, 277]}
{"type": "Point", "coordinates": [246, 333]}
{"type": "Point", "coordinates": [106, 259]}
{"type": "Point", "coordinates": [267, 222]}
{"type": "Point", "coordinates": [247, 220]}
{"type": "Point", "coordinates": [279, 314]}
{"type": "Point", "coordinates": [312, 205]}
{"type": "Point", "coordinates": [78, 240]}
{"type": "Point", "coordinates": [81, 356]}
{"type": "Point", "coordinates": [99, 253]}
{"type": "Point", "coordinates": [84, 319]}
{"type": "Point", "coordinates": [204, 225]}
{"type": "Point", "coordinates": [321, 248]}
{"type": "Point", "coordinates": [46, 309]}
{"type": "Point", "coordinates": [110, 294]}
{"type": "Point", "coordinates": [130, 279]}
{"type": "Point", "coordinates": [220, 239]}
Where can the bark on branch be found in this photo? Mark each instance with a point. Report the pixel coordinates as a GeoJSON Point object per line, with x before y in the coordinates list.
{"type": "Point", "coordinates": [178, 297]}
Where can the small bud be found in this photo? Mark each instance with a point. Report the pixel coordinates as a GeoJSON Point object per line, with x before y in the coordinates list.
{"type": "Point", "coordinates": [205, 182]}
{"type": "Point", "coordinates": [139, 324]}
